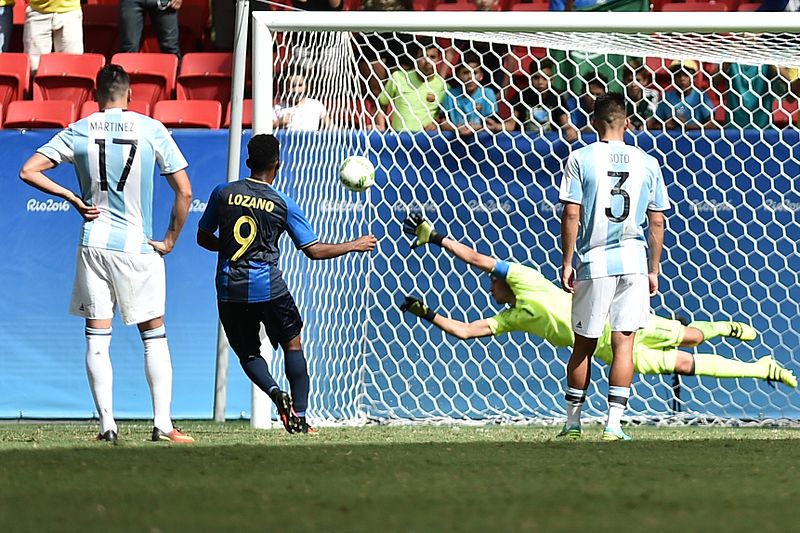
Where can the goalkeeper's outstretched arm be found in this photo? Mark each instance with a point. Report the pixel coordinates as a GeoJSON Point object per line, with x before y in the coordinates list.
{"type": "Point", "coordinates": [425, 233]}
{"type": "Point", "coordinates": [462, 330]}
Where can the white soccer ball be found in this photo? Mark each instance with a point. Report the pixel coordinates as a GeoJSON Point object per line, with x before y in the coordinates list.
{"type": "Point", "coordinates": [357, 173]}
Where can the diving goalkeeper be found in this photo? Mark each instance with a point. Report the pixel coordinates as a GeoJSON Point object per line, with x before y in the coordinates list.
{"type": "Point", "coordinates": [539, 307]}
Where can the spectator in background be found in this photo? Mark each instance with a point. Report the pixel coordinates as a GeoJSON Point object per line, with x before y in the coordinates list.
{"type": "Point", "coordinates": [581, 108]}
{"type": "Point", "coordinates": [298, 112]}
{"type": "Point", "coordinates": [164, 16]}
{"type": "Point", "coordinates": [415, 91]}
{"type": "Point", "coordinates": [684, 106]}
{"type": "Point", "coordinates": [52, 25]}
{"type": "Point", "coordinates": [641, 97]}
{"type": "Point", "coordinates": [6, 24]}
{"type": "Point", "coordinates": [749, 99]}
{"type": "Point", "coordinates": [378, 50]}
{"type": "Point", "coordinates": [538, 107]}
{"type": "Point", "coordinates": [487, 5]}
{"type": "Point", "coordinates": [470, 107]}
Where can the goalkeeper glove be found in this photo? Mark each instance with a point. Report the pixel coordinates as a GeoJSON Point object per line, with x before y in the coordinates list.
{"type": "Point", "coordinates": [416, 225]}
{"type": "Point", "coordinates": [417, 307]}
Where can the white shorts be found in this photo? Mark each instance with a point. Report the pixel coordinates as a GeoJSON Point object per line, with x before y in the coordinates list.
{"type": "Point", "coordinates": [107, 278]}
{"type": "Point", "coordinates": [623, 301]}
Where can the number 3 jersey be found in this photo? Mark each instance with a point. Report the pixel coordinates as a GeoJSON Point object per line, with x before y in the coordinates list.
{"type": "Point", "coordinates": [114, 153]}
{"type": "Point", "coordinates": [251, 216]}
{"type": "Point", "coordinates": [615, 184]}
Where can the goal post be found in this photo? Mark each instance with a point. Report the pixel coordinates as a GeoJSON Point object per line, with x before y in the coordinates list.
{"type": "Point", "coordinates": [731, 247]}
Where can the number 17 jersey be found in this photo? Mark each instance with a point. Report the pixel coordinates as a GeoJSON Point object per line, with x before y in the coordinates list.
{"type": "Point", "coordinates": [115, 153]}
{"type": "Point", "coordinates": [615, 184]}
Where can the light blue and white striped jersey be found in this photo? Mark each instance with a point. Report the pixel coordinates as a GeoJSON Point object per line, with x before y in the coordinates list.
{"type": "Point", "coordinates": [615, 184]}
{"type": "Point", "coordinates": [115, 153]}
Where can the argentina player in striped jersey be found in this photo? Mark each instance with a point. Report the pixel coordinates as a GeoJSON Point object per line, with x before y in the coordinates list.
{"type": "Point", "coordinates": [609, 191]}
{"type": "Point", "coordinates": [114, 152]}
{"type": "Point", "coordinates": [250, 215]}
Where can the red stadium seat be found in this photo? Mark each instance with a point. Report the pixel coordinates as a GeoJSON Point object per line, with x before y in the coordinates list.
{"type": "Point", "coordinates": [135, 105]}
{"type": "Point", "coordinates": [206, 76]}
{"type": "Point", "coordinates": [748, 6]}
{"type": "Point", "coordinates": [535, 6]}
{"type": "Point", "coordinates": [67, 77]}
{"type": "Point", "coordinates": [188, 113]}
{"type": "Point", "coordinates": [31, 114]}
{"type": "Point", "coordinates": [730, 4]}
{"type": "Point", "coordinates": [460, 5]}
{"type": "Point", "coordinates": [152, 75]}
{"type": "Point", "coordinates": [101, 29]}
{"type": "Point", "coordinates": [695, 7]}
{"type": "Point", "coordinates": [15, 77]}
{"type": "Point", "coordinates": [247, 114]}
{"type": "Point", "coordinates": [785, 113]}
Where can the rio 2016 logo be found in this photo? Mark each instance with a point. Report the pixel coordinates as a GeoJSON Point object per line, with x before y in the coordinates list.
{"type": "Point", "coordinates": [49, 205]}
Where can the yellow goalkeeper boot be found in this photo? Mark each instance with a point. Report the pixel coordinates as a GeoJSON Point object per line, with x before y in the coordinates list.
{"type": "Point", "coordinates": [776, 372]}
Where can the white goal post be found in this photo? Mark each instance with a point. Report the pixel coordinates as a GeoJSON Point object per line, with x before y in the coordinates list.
{"type": "Point", "coordinates": [732, 254]}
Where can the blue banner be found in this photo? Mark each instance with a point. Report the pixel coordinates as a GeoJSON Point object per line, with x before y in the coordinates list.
{"type": "Point", "coordinates": [732, 252]}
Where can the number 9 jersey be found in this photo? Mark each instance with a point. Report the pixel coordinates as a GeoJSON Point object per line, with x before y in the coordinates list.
{"type": "Point", "coordinates": [251, 216]}
{"type": "Point", "coordinates": [615, 184]}
{"type": "Point", "coordinates": [114, 153]}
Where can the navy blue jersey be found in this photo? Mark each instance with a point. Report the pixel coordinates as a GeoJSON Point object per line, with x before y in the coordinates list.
{"type": "Point", "coordinates": [251, 216]}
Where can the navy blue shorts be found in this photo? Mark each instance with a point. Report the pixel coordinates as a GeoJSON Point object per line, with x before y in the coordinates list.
{"type": "Point", "coordinates": [242, 323]}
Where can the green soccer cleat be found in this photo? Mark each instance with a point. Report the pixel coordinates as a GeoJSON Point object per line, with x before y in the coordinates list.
{"type": "Point", "coordinates": [570, 432]}
{"type": "Point", "coordinates": [615, 434]}
{"type": "Point", "coordinates": [776, 372]}
{"type": "Point", "coordinates": [742, 331]}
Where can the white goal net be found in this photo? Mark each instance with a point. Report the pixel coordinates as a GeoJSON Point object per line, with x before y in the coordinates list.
{"type": "Point", "coordinates": [473, 127]}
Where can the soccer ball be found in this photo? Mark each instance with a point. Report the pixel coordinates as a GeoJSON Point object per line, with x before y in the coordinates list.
{"type": "Point", "coordinates": [357, 173]}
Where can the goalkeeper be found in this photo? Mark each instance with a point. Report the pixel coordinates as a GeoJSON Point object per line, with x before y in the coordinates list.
{"type": "Point", "coordinates": [539, 307]}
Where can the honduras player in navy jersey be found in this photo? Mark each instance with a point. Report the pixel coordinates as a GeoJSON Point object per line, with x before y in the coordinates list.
{"type": "Point", "coordinates": [250, 215]}
{"type": "Point", "coordinates": [609, 190]}
{"type": "Point", "coordinates": [115, 152]}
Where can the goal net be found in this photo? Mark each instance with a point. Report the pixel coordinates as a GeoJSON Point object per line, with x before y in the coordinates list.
{"type": "Point", "coordinates": [486, 169]}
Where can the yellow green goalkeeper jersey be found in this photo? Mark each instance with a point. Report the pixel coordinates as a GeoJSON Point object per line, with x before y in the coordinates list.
{"type": "Point", "coordinates": [541, 308]}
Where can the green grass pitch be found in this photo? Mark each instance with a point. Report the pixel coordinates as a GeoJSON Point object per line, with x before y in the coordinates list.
{"type": "Point", "coordinates": [398, 478]}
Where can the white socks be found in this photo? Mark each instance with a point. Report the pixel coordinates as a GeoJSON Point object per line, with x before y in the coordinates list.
{"type": "Point", "coordinates": [575, 398]}
{"type": "Point", "coordinates": [158, 369]}
{"type": "Point", "coordinates": [617, 400]}
{"type": "Point", "coordinates": [101, 375]}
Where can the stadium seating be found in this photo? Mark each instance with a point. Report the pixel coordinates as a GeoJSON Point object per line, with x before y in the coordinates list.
{"type": "Point", "coordinates": [152, 75]}
{"type": "Point", "coordinates": [100, 29]}
{"type": "Point", "coordinates": [15, 77]}
{"type": "Point", "coordinates": [247, 114]}
{"type": "Point", "coordinates": [460, 5]}
{"type": "Point", "coordinates": [785, 113]}
{"type": "Point", "coordinates": [530, 7]}
{"type": "Point", "coordinates": [67, 77]}
{"type": "Point", "coordinates": [206, 76]}
{"type": "Point", "coordinates": [188, 113]}
{"type": "Point", "coordinates": [695, 7]}
{"type": "Point", "coordinates": [31, 114]}
{"type": "Point", "coordinates": [135, 105]}
{"type": "Point", "coordinates": [748, 6]}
